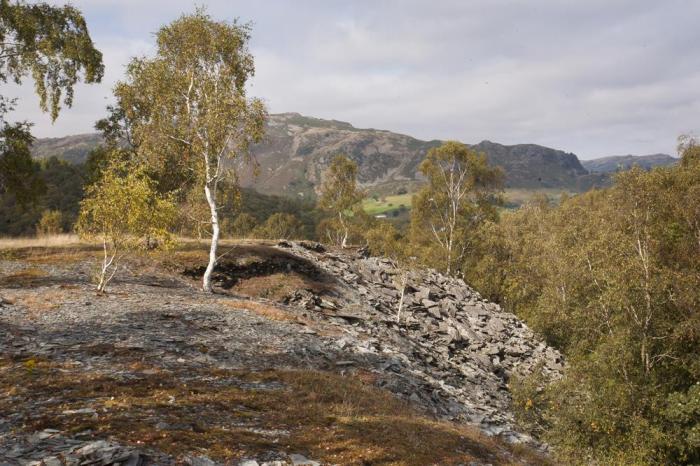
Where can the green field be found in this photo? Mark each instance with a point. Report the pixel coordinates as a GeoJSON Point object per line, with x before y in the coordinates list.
{"type": "Point", "coordinates": [513, 197]}
{"type": "Point", "coordinates": [386, 204]}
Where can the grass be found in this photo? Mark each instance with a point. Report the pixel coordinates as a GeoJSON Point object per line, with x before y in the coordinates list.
{"type": "Point", "coordinates": [27, 278]}
{"type": "Point", "coordinates": [228, 415]}
{"type": "Point", "coordinates": [51, 241]}
{"type": "Point", "coordinates": [264, 310]}
{"type": "Point", "coordinates": [38, 303]}
{"type": "Point", "coordinates": [274, 287]}
{"type": "Point", "coordinates": [386, 204]}
{"type": "Point", "coordinates": [515, 197]}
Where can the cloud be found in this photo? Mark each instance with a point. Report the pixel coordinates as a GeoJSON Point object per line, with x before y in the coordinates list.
{"type": "Point", "coordinates": [596, 77]}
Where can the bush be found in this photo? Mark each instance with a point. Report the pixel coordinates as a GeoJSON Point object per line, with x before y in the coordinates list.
{"type": "Point", "coordinates": [280, 226]}
{"type": "Point", "coordinates": [242, 226]}
{"type": "Point", "coordinates": [50, 223]}
{"type": "Point", "coordinates": [123, 211]}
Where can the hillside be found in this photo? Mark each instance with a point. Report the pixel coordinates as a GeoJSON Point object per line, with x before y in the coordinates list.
{"type": "Point", "coordinates": [299, 355]}
{"type": "Point", "coordinates": [297, 149]}
{"type": "Point", "coordinates": [616, 163]}
{"type": "Point", "coordinates": [73, 149]}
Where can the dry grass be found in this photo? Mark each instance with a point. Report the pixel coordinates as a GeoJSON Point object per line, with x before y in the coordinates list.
{"type": "Point", "coordinates": [51, 241]}
{"type": "Point", "coordinates": [37, 303]}
{"type": "Point", "coordinates": [261, 309]}
{"type": "Point", "coordinates": [225, 415]}
{"type": "Point", "coordinates": [27, 278]}
{"type": "Point", "coordinates": [276, 286]}
{"type": "Point", "coordinates": [55, 249]}
{"type": "Point", "coordinates": [272, 312]}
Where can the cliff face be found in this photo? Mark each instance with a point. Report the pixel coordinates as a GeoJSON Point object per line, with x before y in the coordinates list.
{"type": "Point", "coordinates": [298, 149]}
{"type": "Point", "coordinates": [533, 166]}
{"type": "Point", "coordinates": [73, 149]}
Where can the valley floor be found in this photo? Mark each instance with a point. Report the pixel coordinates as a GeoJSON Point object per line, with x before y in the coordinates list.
{"type": "Point", "coordinates": [157, 372]}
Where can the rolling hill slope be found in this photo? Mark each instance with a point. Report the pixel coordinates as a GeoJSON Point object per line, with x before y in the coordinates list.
{"type": "Point", "coordinates": [625, 162]}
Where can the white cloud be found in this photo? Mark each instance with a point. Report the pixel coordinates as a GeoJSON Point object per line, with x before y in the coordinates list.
{"type": "Point", "coordinates": [595, 77]}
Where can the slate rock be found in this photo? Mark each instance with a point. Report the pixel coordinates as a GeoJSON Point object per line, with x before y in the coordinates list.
{"type": "Point", "coordinates": [301, 460]}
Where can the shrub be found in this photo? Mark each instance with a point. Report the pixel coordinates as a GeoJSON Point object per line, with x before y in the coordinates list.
{"type": "Point", "coordinates": [280, 226]}
{"type": "Point", "coordinates": [50, 223]}
{"type": "Point", "coordinates": [125, 213]}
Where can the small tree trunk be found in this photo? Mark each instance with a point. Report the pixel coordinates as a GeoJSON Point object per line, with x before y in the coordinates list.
{"type": "Point", "coordinates": [449, 260]}
{"type": "Point", "coordinates": [344, 242]}
{"type": "Point", "coordinates": [206, 279]}
{"type": "Point", "coordinates": [404, 278]}
{"type": "Point", "coordinates": [101, 284]}
{"type": "Point", "coordinates": [107, 262]}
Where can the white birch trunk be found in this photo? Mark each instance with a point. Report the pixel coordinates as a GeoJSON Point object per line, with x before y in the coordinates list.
{"type": "Point", "coordinates": [404, 279]}
{"type": "Point", "coordinates": [344, 241]}
{"type": "Point", "coordinates": [211, 200]}
{"type": "Point", "coordinates": [107, 262]}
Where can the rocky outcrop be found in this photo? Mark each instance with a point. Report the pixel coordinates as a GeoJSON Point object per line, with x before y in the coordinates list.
{"type": "Point", "coordinates": [462, 348]}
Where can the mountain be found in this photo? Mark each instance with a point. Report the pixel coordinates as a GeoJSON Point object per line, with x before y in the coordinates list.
{"type": "Point", "coordinates": [625, 162]}
{"type": "Point", "coordinates": [533, 167]}
{"type": "Point", "coordinates": [297, 149]}
{"type": "Point", "coordinates": [73, 149]}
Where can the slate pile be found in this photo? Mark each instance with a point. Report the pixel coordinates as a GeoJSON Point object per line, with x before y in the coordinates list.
{"type": "Point", "coordinates": [463, 348]}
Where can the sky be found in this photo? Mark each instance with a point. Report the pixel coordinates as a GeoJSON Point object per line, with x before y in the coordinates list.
{"type": "Point", "coordinates": [594, 77]}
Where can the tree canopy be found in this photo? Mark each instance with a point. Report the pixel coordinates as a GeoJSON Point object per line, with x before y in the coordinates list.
{"type": "Point", "coordinates": [186, 111]}
{"type": "Point", "coordinates": [339, 195]}
{"type": "Point", "coordinates": [123, 211]}
{"type": "Point", "coordinates": [53, 46]}
{"type": "Point", "coordinates": [611, 277]}
{"type": "Point", "coordinates": [458, 197]}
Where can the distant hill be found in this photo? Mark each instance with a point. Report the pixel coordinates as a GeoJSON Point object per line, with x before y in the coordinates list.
{"type": "Point", "coordinates": [537, 167]}
{"type": "Point", "coordinates": [617, 163]}
{"type": "Point", "coordinates": [73, 149]}
{"type": "Point", "coordinates": [297, 150]}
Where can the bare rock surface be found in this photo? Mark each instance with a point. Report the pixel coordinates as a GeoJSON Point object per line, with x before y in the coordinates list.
{"type": "Point", "coordinates": [452, 350]}
{"type": "Point", "coordinates": [451, 353]}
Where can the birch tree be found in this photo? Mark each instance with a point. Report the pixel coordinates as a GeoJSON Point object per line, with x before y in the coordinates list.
{"type": "Point", "coordinates": [120, 210]}
{"type": "Point", "coordinates": [458, 197]}
{"type": "Point", "coordinates": [339, 195]}
{"type": "Point", "coordinates": [187, 111]}
{"type": "Point", "coordinates": [611, 278]}
{"type": "Point", "coordinates": [384, 239]}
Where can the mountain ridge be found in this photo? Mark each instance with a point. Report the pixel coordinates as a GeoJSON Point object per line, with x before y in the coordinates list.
{"type": "Point", "coordinates": [614, 163]}
{"type": "Point", "coordinates": [297, 149]}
